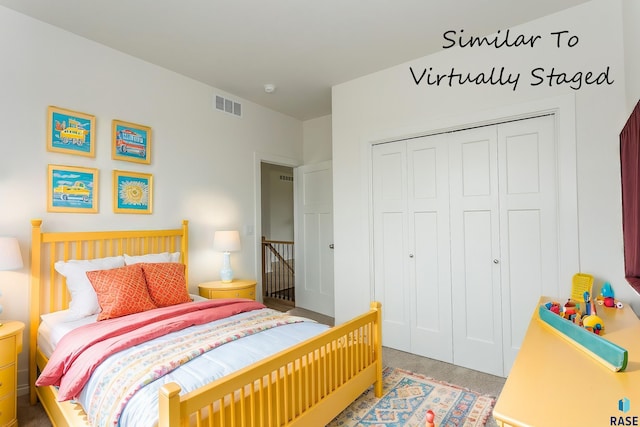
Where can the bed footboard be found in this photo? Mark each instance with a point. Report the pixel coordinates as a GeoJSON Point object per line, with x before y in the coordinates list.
{"type": "Point", "coordinates": [308, 384]}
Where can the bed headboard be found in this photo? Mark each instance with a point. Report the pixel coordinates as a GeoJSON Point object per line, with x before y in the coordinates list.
{"type": "Point", "coordinates": [48, 288]}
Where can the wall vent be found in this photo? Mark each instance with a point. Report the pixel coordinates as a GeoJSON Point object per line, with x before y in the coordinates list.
{"type": "Point", "coordinates": [228, 106]}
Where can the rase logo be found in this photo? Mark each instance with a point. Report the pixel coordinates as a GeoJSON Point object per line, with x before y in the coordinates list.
{"type": "Point", "coordinates": [624, 405]}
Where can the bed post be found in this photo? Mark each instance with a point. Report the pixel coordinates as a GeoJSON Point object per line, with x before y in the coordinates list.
{"type": "Point", "coordinates": [184, 246]}
{"type": "Point", "coordinates": [34, 313]}
{"type": "Point", "coordinates": [169, 405]}
{"type": "Point", "coordinates": [375, 305]}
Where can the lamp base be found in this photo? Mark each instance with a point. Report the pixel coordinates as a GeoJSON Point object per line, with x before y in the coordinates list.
{"type": "Point", "coordinates": [226, 274]}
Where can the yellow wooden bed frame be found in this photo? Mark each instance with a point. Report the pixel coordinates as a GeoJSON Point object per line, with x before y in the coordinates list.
{"type": "Point", "coordinates": [307, 384]}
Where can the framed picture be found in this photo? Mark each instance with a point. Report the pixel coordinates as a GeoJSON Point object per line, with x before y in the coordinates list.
{"type": "Point", "coordinates": [132, 192]}
{"type": "Point", "coordinates": [70, 132]}
{"type": "Point", "coordinates": [130, 142]}
{"type": "Point", "coordinates": [72, 189]}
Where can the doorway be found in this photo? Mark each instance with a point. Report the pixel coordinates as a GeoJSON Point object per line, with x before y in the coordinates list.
{"type": "Point", "coordinates": [277, 239]}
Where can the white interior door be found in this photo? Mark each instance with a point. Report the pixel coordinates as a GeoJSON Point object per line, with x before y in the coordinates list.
{"type": "Point", "coordinates": [465, 240]}
{"type": "Point", "coordinates": [475, 250]}
{"type": "Point", "coordinates": [391, 275]}
{"type": "Point", "coordinates": [528, 223]}
{"type": "Point", "coordinates": [313, 237]}
{"type": "Point", "coordinates": [429, 249]}
{"type": "Point", "coordinates": [411, 241]}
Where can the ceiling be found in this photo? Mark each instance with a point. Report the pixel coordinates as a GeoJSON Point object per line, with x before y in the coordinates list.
{"type": "Point", "coordinates": [303, 47]}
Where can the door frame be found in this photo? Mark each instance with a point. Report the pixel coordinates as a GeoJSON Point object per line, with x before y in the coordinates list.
{"type": "Point", "coordinates": [563, 110]}
{"type": "Point", "coordinates": [258, 159]}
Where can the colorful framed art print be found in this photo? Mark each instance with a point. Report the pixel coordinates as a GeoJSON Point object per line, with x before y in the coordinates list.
{"type": "Point", "coordinates": [70, 132]}
{"type": "Point", "coordinates": [132, 192]}
{"type": "Point", "coordinates": [130, 142]}
{"type": "Point", "coordinates": [72, 189]}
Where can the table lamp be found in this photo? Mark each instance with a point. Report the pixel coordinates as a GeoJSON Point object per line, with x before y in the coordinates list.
{"type": "Point", "coordinates": [10, 257]}
{"type": "Point", "coordinates": [226, 242]}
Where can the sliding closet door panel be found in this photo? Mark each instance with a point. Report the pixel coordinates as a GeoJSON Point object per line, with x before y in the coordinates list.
{"type": "Point", "coordinates": [528, 211]}
{"type": "Point", "coordinates": [429, 257]}
{"type": "Point", "coordinates": [475, 250]}
{"type": "Point", "coordinates": [391, 276]}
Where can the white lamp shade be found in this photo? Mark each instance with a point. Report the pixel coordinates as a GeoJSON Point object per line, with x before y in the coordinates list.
{"type": "Point", "coordinates": [10, 257]}
{"type": "Point", "coordinates": [226, 241]}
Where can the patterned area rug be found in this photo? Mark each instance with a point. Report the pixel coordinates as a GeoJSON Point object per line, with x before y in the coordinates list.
{"type": "Point", "coordinates": [406, 399]}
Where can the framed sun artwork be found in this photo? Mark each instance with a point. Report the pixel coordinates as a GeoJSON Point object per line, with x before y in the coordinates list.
{"type": "Point", "coordinates": [132, 192]}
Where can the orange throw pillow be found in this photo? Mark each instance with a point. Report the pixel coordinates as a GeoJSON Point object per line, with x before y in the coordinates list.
{"type": "Point", "coordinates": [121, 291]}
{"type": "Point", "coordinates": [166, 283]}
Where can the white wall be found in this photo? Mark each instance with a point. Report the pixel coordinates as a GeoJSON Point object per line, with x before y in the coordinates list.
{"type": "Point", "coordinates": [316, 146]}
{"type": "Point", "coordinates": [389, 104]}
{"type": "Point", "coordinates": [631, 13]}
{"type": "Point", "coordinates": [202, 160]}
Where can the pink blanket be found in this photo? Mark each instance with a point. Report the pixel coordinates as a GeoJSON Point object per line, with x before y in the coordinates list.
{"type": "Point", "coordinates": [80, 351]}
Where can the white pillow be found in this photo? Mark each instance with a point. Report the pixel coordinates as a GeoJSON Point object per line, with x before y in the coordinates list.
{"type": "Point", "coordinates": [152, 258]}
{"type": "Point", "coordinates": [84, 301]}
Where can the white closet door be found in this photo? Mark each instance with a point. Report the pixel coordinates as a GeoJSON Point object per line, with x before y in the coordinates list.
{"type": "Point", "coordinates": [429, 259]}
{"type": "Point", "coordinates": [466, 240]}
{"type": "Point", "coordinates": [391, 275]}
{"type": "Point", "coordinates": [475, 250]}
{"type": "Point", "coordinates": [528, 224]}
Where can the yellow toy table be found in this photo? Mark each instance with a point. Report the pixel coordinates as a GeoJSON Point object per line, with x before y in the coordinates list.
{"type": "Point", "coordinates": [555, 383]}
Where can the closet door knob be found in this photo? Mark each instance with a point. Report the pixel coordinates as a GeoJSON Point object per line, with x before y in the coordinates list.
{"type": "Point", "coordinates": [410, 255]}
{"type": "Point", "coordinates": [495, 261]}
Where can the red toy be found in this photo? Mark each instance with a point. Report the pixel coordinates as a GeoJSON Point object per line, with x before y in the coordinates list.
{"type": "Point", "coordinates": [430, 418]}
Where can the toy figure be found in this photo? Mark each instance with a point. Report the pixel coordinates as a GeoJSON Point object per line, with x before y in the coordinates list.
{"type": "Point", "coordinates": [588, 305]}
{"type": "Point", "coordinates": [594, 324]}
{"type": "Point", "coordinates": [607, 298]}
{"type": "Point", "coordinates": [607, 295]}
{"type": "Point", "coordinates": [430, 419]}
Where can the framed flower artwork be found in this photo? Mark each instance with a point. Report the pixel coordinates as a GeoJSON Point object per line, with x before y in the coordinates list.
{"type": "Point", "coordinates": [132, 192]}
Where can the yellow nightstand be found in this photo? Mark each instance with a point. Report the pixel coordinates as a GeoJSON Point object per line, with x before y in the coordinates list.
{"type": "Point", "coordinates": [233, 289]}
{"type": "Point", "coordinates": [10, 346]}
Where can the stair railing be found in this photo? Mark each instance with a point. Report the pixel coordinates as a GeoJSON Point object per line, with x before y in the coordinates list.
{"type": "Point", "coordinates": [278, 275]}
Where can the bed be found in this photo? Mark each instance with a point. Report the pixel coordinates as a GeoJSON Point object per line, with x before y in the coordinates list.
{"type": "Point", "coordinates": [307, 383]}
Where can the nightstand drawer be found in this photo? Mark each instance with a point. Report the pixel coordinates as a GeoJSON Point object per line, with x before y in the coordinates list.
{"type": "Point", "coordinates": [7, 409]}
{"type": "Point", "coordinates": [7, 350]}
{"type": "Point", "coordinates": [7, 380]}
{"type": "Point", "coordinates": [239, 293]}
{"type": "Point", "coordinates": [233, 289]}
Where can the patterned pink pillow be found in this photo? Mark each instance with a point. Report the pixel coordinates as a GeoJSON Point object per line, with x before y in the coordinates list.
{"type": "Point", "coordinates": [121, 291]}
{"type": "Point", "coordinates": [166, 283]}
